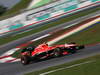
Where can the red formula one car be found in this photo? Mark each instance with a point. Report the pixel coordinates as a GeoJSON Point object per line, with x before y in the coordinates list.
{"type": "Point", "coordinates": [43, 51]}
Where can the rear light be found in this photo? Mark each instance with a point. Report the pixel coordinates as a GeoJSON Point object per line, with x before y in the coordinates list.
{"type": "Point", "coordinates": [65, 53]}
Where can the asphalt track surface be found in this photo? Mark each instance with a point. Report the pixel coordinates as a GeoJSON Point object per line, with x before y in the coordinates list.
{"type": "Point", "coordinates": [18, 69]}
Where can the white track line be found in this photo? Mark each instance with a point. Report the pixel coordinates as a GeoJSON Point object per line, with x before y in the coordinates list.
{"type": "Point", "coordinates": [41, 37]}
{"type": "Point", "coordinates": [70, 25]}
{"type": "Point", "coordinates": [46, 73]}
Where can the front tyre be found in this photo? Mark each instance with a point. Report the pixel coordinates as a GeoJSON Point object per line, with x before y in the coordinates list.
{"type": "Point", "coordinates": [81, 47]}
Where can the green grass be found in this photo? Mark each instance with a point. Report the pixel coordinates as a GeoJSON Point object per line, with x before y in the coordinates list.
{"type": "Point", "coordinates": [46, 26]}
{"type": "Point", "coordinates": [87, 69]}
{"type": "Point", "coordinates": [41, 3]}
{"type": "Point", "coordinates": [89, 36]}
{"type": "Point", "coordinates": [16, 9]}
{"type": "Point", "coordinates": [92, 68]}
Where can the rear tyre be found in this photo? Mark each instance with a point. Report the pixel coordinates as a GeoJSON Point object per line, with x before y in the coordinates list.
{"type": "Point", "coordinates": [57, 52]}
{"type": "Point", "coordinates": [73, 51]}
{"type": "Point", "coordinates": [25, 60]}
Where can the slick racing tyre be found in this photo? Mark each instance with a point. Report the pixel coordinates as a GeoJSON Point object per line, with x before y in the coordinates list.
{"type": "Point", "coordinates": [57, 52]}
{"type": "Point", "coordinates": [80, 47]}
{"type": "Point", "coordinates": [25, 60]}
{"type": "Point", "coordinates": [73, 51]}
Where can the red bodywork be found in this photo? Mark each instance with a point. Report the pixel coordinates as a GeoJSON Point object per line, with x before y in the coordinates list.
{"type": "Point", "coordinates": [43, 51]}
{"type": "Point", "coordinates": [44, 47]}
